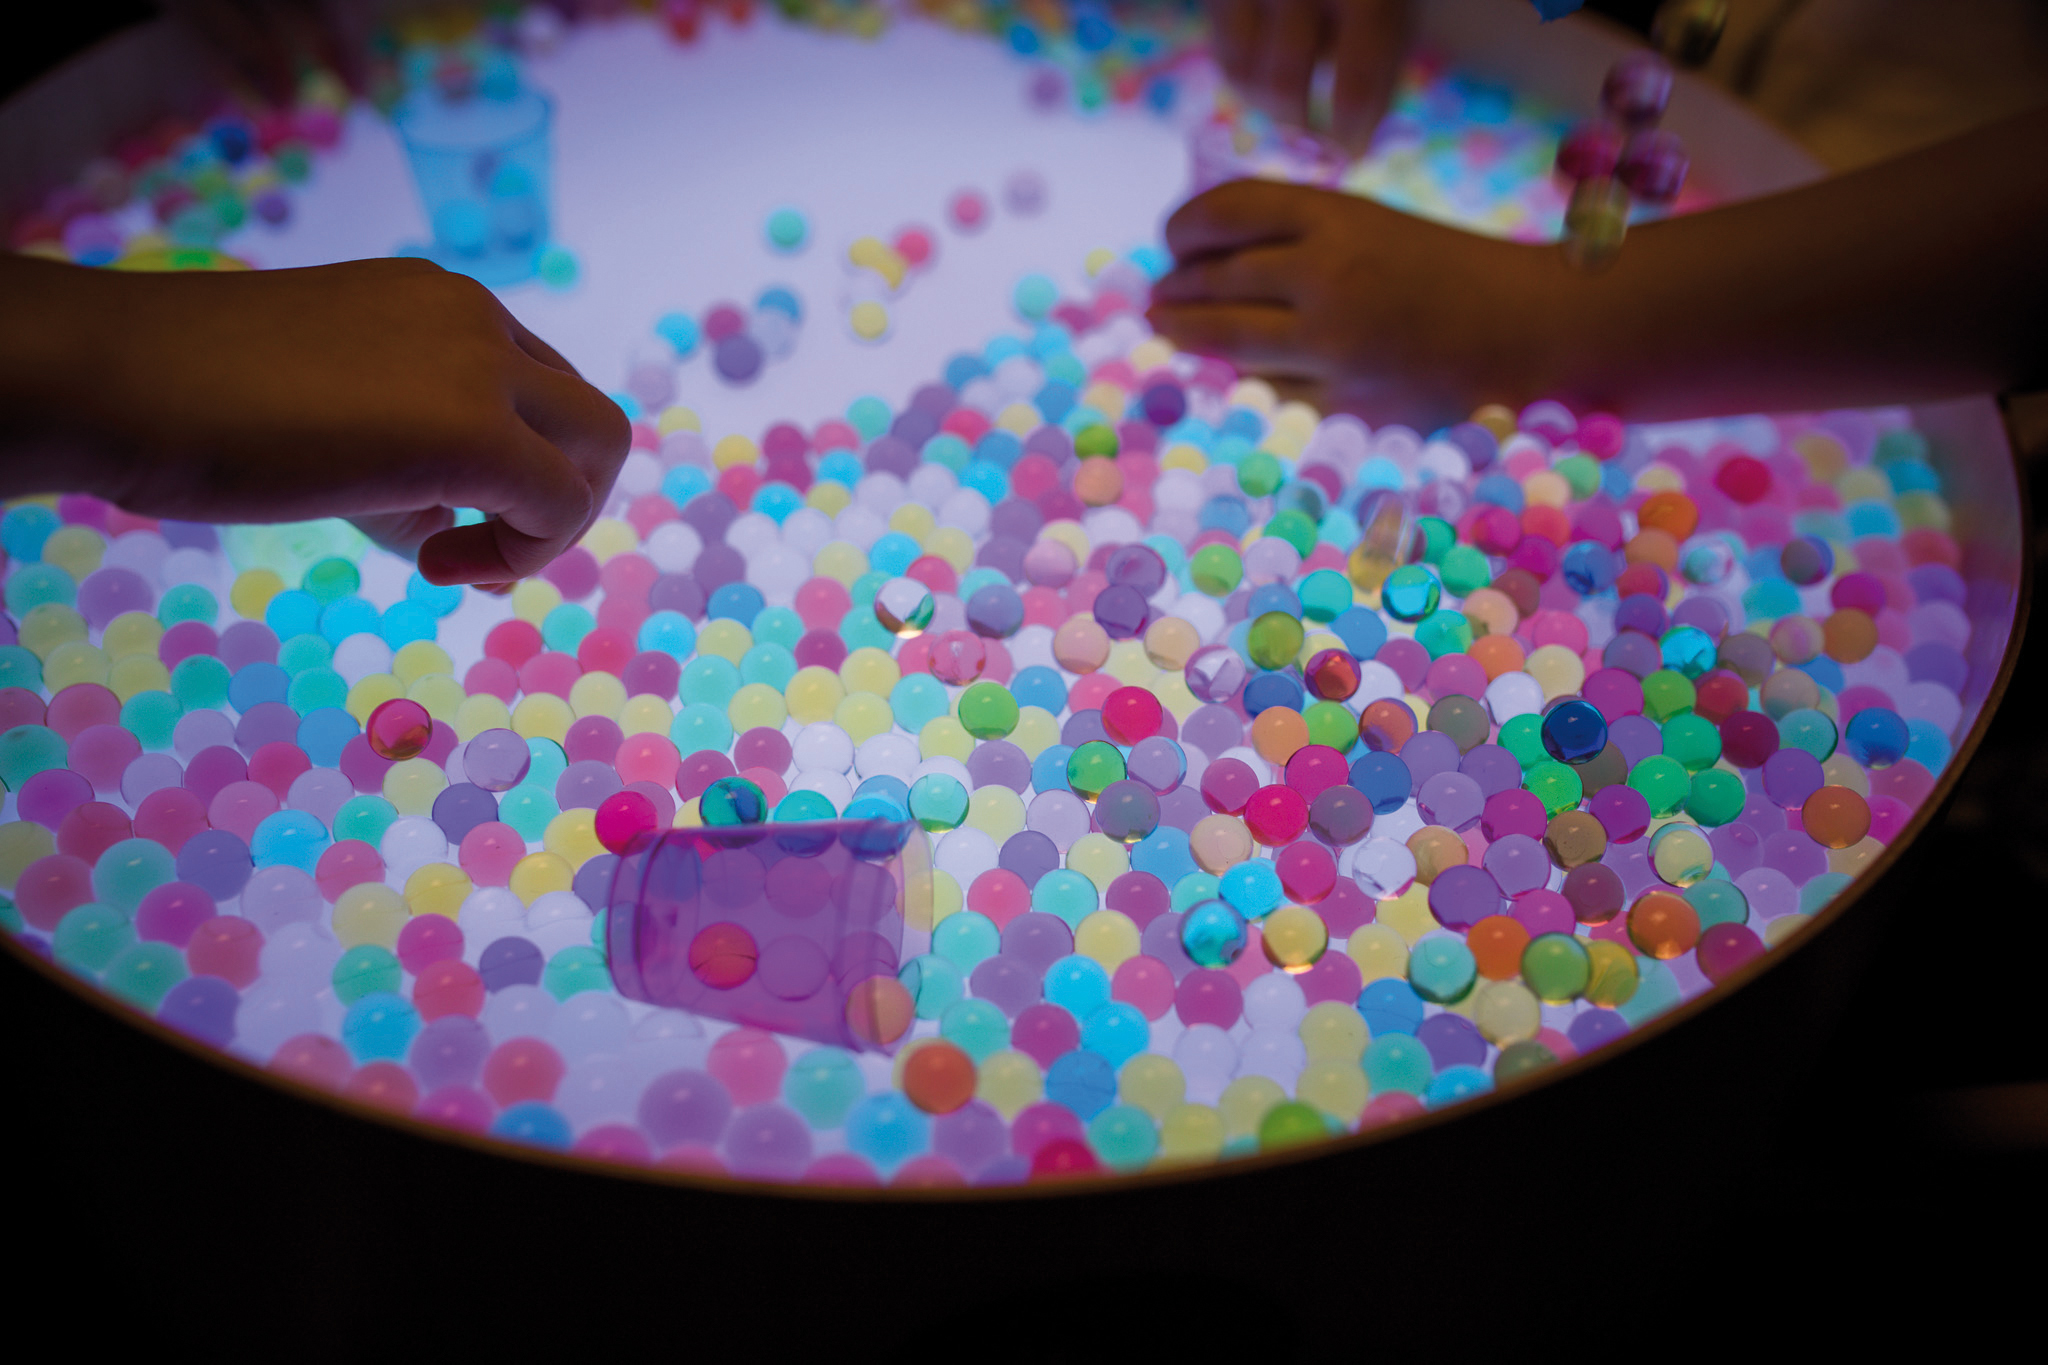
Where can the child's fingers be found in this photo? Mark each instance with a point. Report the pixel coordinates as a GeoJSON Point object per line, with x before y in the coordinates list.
{"type": "Point", "coordinates": [404, 532]}
{"type": "Point", "coordinates": [1234, 25]}
{"type": "Point", "coordinates": [1293, 38]}
{"type": "Point", "coordinates": [1236, 214]}
{"type": "Point", "coordinates": [534, 346]}
{"type": "Point", "coordinates": [1260, 274]}
{"type": "Point", "coordinates": [1366, 52]}
{"type": "Point", "coordinates": [539, 504]}
{"type": "Point", "coordinates": [1246, 334]}
{"type": "Point", "coordinates": [254, 47]}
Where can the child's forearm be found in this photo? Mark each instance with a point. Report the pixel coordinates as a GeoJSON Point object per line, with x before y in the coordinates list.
{"type": "Point", "coordinates": [49, 316]}
{"type": "Point", "coordinates": [1921, 278]}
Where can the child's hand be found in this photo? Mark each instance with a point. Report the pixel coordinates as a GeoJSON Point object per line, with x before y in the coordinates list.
{"type": "Point", "coordinates": [386, 391]}
{"type": "Point", "coordinates": [1269, 50]}
{"type": "Point", "coordinates": [268, 42]}
{"type": "Point", "coordinates": [1354, 306]}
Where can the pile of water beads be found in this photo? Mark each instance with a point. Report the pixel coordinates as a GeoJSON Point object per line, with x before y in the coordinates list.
{"type": "Point", "coordinates": [1284, 777]}
{"type": "Point", "coordinates": [739, 344]}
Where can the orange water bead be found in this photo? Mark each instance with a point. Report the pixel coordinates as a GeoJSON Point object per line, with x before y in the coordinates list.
{"type": "Point", "coordinates": [1278, 732]}
{"type": "Point", "coordinates": [1385, 725]}
{"type": "Point", "coordinates": [879, 1010]}
{"type": "Point", "coordinates": [1098, 483]}
{"type": "Point", "coordinates": [1080, 645]}
{"type": "Point", "coordinates": [1554, 524]}
{"type": "Point", "coordinates": [1835, 817]}
{"type": "Point", "coordinates": [1490, 612]}
{"type": "Point", "coordinates": [1497, 943]}
{"type": "Point", "coordinates": [1652, 545]}
{"type": "Point", "coordinates": [1670, 512]}
{"type": "Point", "coordinates": [1849, 635]}
{"type": "Point", "coordinates": [1497, 654]}
{"type": "Point", "coordinates": [939, 1077]}
{"type": "Point", "coordinates": [1663, 924]}
{"type": "Point", "coordinates": [1436, 848]}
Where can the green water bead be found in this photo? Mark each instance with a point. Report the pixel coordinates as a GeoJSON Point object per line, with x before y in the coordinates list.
{"type": "Point", "coordinates": [733, 801]}
{"type": "Point", "coordinates": [142, 973]}
{"type": "Point", "coordinates": [1331, 723]}
{"type": "Point", "coordinates": [1556, 967]}
{"type": "Point", "coordinates": [1194, 888]}
{"type": "Point", "coordinates": [1095, 441]}
{"type": "Point", "coordinates": [130, 870]}
{"type": "Point", "coordinates": [564, 627]}
{"type": "Point", "coordinates": [1464, 719]}
{"type": "Point", "coordinates": [1260, 474]}
{"type": "Point", "coordinates": [364, 970]}
{"type": "Point", "coordinates": [364, 817]}
{"type": "Point", "coordinates": [1664, 783]}
{"type": "Point", "coordinates": [90, 936]}
{"type": "Point", "coordinates": [187, 602]}
{"type": "Point", "coordinates": [1555, 784]}
{"type": "Point", "coordinates": [1325, 595]}
{"type": "Point", "coordinates": [152, 717]}
{"type": "Point", "coordinates": [1810, 730]}
{"type": "Point", "coordinates": [27, 750]}
{"type": "Point", "coordinates": [1398, 1061]}
{"type": "Point", "coordinates": [772, 664]}
{"type": "Point", "coordinates": [10, 916]}
{"type": "Point", "coordinates": [20, 668]}
{"type": "Point", "coordinates": [1667, 693]}
{"type": "Point", "coordinates": [1092, 767]}
{"type": "Point", "coordinates": [302, 652]}
{"type": "Point", "coordinates": [574, 970]}
{"type": "Point", "coordinates": [1693, 740]}
{"type": "Point", "coordinates": [1464, 569]}
{"type": "Point", "coordinates": [1290, 1123]}
{"type": "Point", "coordinates": [1434, 538]}
{"type": "Point", "coordinates": [801, 806]}
{"type": "Point", "coordinates": [1715, 797]}
{"type": "Point", "coordinates": [1442, 969]}
{"type": "Point", "coordinates": [1521, 1059]}
{"type": "Point", "coordinates": [200, 683]}
{"type": "Point", "coordinates": [1124, 1136]}
{"type": "Point", "coordinates": [315, 688]}
{"type": "Point", "coordinates": [1274, 640]}
{"type": "Point", "coordinates": [528, 808]}
{"type": "Point", "coordinates": [780, 626]}
{"type": "Point", "coordinates": [32, 585]}
{"type": "Point", "coordinates": [1581, 474]}
{"type": "Point", "coordinates": [1296, 527]}
{"type": "Point", "coordinates": [1410, 593]}
{"type": "Point", "coordinates": [1445, 632]}
{"type": "Point", "coordinates": [988, 710]}
{"type": "Point", "coordinates": [1216, 570]}
{"type": "Point", "coordinates": [1718, 901]}
{"type": "Point", "coordinates": [1522, 736]}
{"type": "Point", "coordinates": [938, 802]}
{"type": "Point", "coordinates": [332, 578]}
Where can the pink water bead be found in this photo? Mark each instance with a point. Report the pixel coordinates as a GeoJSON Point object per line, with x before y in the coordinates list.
{"type": "Point", "coordinates": [345, 864]}
{"type": "Point", "coordinates": [91, 829]}
{"type": "Point", "coordinates": [170, 816]}
{"type": "Point", "coordinates": [647, 758]}
{"type": "Point", "coordinates": [172, 913]}
{"type": "Point", "coordinates": [624, 816]}
{"type": "Point", "coordinates": [513, 642]}
{"type": "Point", "coordinates": [277, 765]}
{"type": "Point", "coordinates": [398, 729]}
{"type": "Point", "coordinates": [490, 851]}
{"type": "Point", "coordinates": [313, 1059]}
{"type": "Point", "coordinates": [226, 946]}
{"type": "Point", "coordinates": [101, 755]}
{"type": "Point", "coordinates": [749, 1062]}
{"type": "Point", "coordinates": [241, 806]}
{"type": "Point", "coordinates": [82, 705]}
{"type": "Point", "coordinates": [50, 795]}
{"type": "Point", "coordinates": [50, 886]}
{"type": "Point", "coordinates": [1145, 983]}
{"type": "Point", "coordinates": [447, 986]}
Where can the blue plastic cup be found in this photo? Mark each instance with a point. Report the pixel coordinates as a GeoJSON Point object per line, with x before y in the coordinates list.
{"type": "Point", "coordinates": [482, 168]}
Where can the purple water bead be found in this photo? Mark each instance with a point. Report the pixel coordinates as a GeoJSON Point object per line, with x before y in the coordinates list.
{"type": "Point", "coordinates": [892, 455]}
{"type": "Point", "coordinates": [1213, 729]}
{"type": "Point", "coordinates": [217, 862]}
{"type": "Point", "coordinates": [1035, 940]}
{"type": "Point", "coordinates": [1161, 939]}
{"type": "Point", "coordinates": [510, 961]}
{"type": "Point", "coordinates": [767, 1142]}
{"type": "Point", "coordinates": [1164, 404]}
{"type": "Point", "coordinates": [449, 1051]}
{"type": "Point", "coordinates": [496, 760]}
{"type": "Point", "coordinates": [1121, 611]}
{"type": "Point", "coordinates": [203, 1007]}
{"type": "Point", "coordinates": [1637, 89]}
{"type": "Point", "coordinates": [684, 1106]}
{"type": "Point", "coordinates": [461, 807]}
{"type": "Point", "coordinates": [677, 592]}
{"type": "Point", "coordinates": [1157, 762]}
{"type": "Point", "coordinates": [972, 1137]}
{"type": "Point", "coordinates": [1030, 854]}
{"type": "Point", "coordinates": [710, 514]}
{"type": "Point", "coordinates": [1653, 166]}
{"type": "Point", "coordinates": [1452, 1040]}
{"type": "Point", "coordinates": [106, 593]}
{"type": "Point", "coordinates": [1493, 768]}
{"type": "Point", "coordinates": [1790, 776]}
{"type": "Point", "coordinates": [584, 784]}
{"type": "Point", "coordinates": [1215, 673]}
{"type": "Point", "coordinates": [1007, 982]}
{"type": "Point", "coordinates": [1136, 566]}
{"type": "Point", "coordinates": [1596, 1028]}
{"type": "Point", "coordinates": [717, 566]}
{"type": "Point", "coordinates": [999, 763]}
{"type": "Point", "coordinates": [737, 358]}
{"type": "Point", "coordinates": [1450, 799]}
{"type": "Point", "coordinates": [996, 612]}
{"type": "Point", "coordinates": [1463, 895]}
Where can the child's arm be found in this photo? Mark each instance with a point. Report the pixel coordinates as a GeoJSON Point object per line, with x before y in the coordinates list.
{"type": "Point", "coordinates": [386, 391]}
{"type": "Point", "coordinates": [1921, 278]}
{"type": "Point", "coordinates": [1269, 50]}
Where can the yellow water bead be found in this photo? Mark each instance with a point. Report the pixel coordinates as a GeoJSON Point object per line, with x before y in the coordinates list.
{"type": "Point", "coordinates": [1099, 858]}
{"type": "Point", "coordinates": [1547, 488]}
{"type": "Point", "coordinates": [21, 843]}
{"type": "Point", "coordinates": [1008, 1082]}
{"type": "Point", "coordinates": [411, 785]}
{"type": "Point", "coordinates": [1922, 511]}
{"type": "Point", "coordinates": [1506, 1012]}
{"type": "Point", "coordinates": [1657, 477]}
{"type": "Point", "coordinates": [1255, 394]}
{"type": "Point", "coordinates": [1190, 1134]}
{"type": "Point", "coordinates": [1172, 691]}
{"type": "Point", "coordinates": [480, 713]}
{"type": "Point", "coordinates": [863, 715]}
{"type": "Point", "coordinates": [1825, 457]}
{"type": "Point", "coordinates": [1069, 534]}
{"type": "Point", "coordinates": [1182, 455]}
{"type": "Point", "coordinates": [1851, 861]}
{"type": "Point", "coordinates": [1097, 261]}
{"type": "Point", "coordinates": [609, 538]}
{"type": "Point", "coordinates": [996, 811]}
{"type": "Point", "coordinates": [440, 694]}
{"type": "Point", "coordinates": [726, 638]}
{"type": "Point", "coordinates": [542, 715]}
{"type": "Point", "coordinates": [74, 662]}
{"type": "Point", "coordinates": [1560, 672]}
{"type": "Point", "coordinates": [1036, 731]}
{"type": "Point", "coordinates": [735, 450]}
{"type": "Point", "coordinates": [369, 692]}
{"type": "Point", "coordinates": [252, 591]}
{"type": "Point", "coordinates": [597, 693]}
{"type": "Point", "coordinates": [1337, 1088]}
{"type": "Point", "coordinates": [1129, 664]}
{"type": "Point", "coordinates": [1153, 353]}
{"type": "Point", "coordinates": [689, 815]}
{"type": "Point", "coordinates": [1863, 484]}
{"type": "Point", "coordinates": [1105, 397]}
{"type": "Point", "coordinates": [676, 417]}
{"type": "Point", "coordinates": [437, 889]}
{"type": "Point", "coordinates": [838, 559]}
{"type": "Point", "coordinates": [1245, 1102]}
{"type": "Point", "coordinates": [756, 706]}
{"type": "Point", "coordinates": [539, 873]}
{"type": "Point", "coordinates": [48, 625]}
{"type": "Point", "coordinates": [133, 674]}
{"type": "Point", "coordinates": [369, 913]}
{"type": "Point", "coordinates": [1380, 950]}
{"type": "Point", "coordinates": [953, 545]}
{"type": "Point", "coordinates": [1333, 1031]}
{"type": "Point", "coordinates": [1408, 913]}
{"type": "Point", "coordinates": [132, 632]}
{"type": "Point", "coordinates": [1152, 1083]}
{"type": "Point", "coordinates": [572, 835]}
{"type": "Point", "coordinates": [829, 496]}
{"type": "Point", "coordinates": [533, 599]}
{"type": "Point", "coordinates": [913, 519]}
{"type": "Point", "coordinates": [77, 550]}
{"type": "Point", "coordinates": [1107, 936]}
{"type": "Point", "coordinates": [944, 737]}
{"type": "Point", "coordinates": [945, 898]}
{"type": "Point", "coordinates": [645, 714]}
{"type": "Point", "coordinates": [417, 659]}
{"type": "Point", "coordinates": [814, 694]}
{"type": "Point", "coordinates": [868, 669]}
{"type": "Point", "coordinates": [1019, 419]}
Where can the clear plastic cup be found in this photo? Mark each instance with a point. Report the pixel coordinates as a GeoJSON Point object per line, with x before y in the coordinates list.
{"type": "Point", "coordinates": [481, 163]}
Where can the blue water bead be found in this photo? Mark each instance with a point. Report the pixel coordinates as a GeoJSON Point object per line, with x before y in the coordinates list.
{"type": "Point", "coordinates": [894, 553]}
{"type": "Point", "coordinates": [316, 688]}
{"type": "Point", "coordinates": [1456, 1083]}
{"type": "Point", "coordinates": [24, 529]}
{"type": "Point", "coordinates": [888, 1130]}
{"type": "Point", "coordinates": [1912, 476]}
{"type": "Point", "coordinates": [300, 652]}
{"type": "Point", "coordinates": [1054, 400]}
{"type": "Point", "coordinates": [293, 612]}
{"type": "Point", "coordinates": [1081, 1081]}
{"type": "Point", "coordinates": [918, 699]}
{"type": "Point", "coordinates": [739, 602]}
{"type": "Point", "coordinates": [1002, 348]}
{"type": "Point", "coordinates": [1390, 1005]}
{"type": "Point", "coordinates": [1872, 519]}
{"type": "Point", "coordinates": [683, 483]}
{"type": "Point", "coordinates": [324, 732]}
{"type": "Point", "coordinates": [841, 466]}
{"type": "Point", "coordinates": [379, 1027]}
{"type": "Point", "coordinates": [1501, 491]}
{"type": "Point", "coordinates": [1165, 853]}
{"type": "Point", "coordinates": [1574, 731]}
{"type": "Point", "coordinates": [1211, 933]}
{"type": "Point", "coordinates": [404, 623]}
{"type": "Point", "coordinates": [1824, 671]}
{"type": "Point", "coordinates": [1244, 424]}
{"type": "Point", "coordinates": [1268, 690]}
{"type": "Point", "coordinates": [1877, 737]}
{"type": "Point", "coordinates": [1252, 888]}
{"type": "Point", "coordinates": [670, 633]}
{"type": "Point", "coordinates": [1049, 769]}
{"type": "Point", "coordinates": [257, 683]}
{"type": "Point", "coordinates": [1272, 597]}
{"type": "Point", "coordinates": [1118, 1031]}
{"type": "Point", "coordinates": [887, 786]}
{"type": "Point", "coordinates": [437, 598]}
{"type": "Point", "coordinates": [1042, 687]}
{"type": "Point", "coordinates": [1769, 598]}
{"type": "Point", "coordinates": [962, 369]}
{"type": "Point", "coordinates": [1929, 747]}
{"type": "Point", "coordinates": [534, 1124]}
{"type": "Point", "coordinates": [1689, 650]}
{"type": "Point", "coordinates": [1588, 567]}
{"type": "Point", "coordinates": [1361, 630]}
{"type": "Point", "coordinates": [1397, 1061]}
{"type": "Point", "coordinates": [1077, 984]}
{"type": "Point", "coordinates": [290, 837]}
{"type": "Point", "coordinates": [680, 331]}
{"type": "Point", "coordinates": [1191, 890]}
{"type": "Point", "coordinates": [1000, 448]}
{"type": "Point", "coordinates": [986, 479]}
{"type": "Point", "coordinates": [343, 617]}
{"type": "Point", "coordinates": [1225, 513]}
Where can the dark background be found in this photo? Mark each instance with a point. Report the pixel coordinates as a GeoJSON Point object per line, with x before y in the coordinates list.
{"type": "Point", "coordinates": [1902, 1191]}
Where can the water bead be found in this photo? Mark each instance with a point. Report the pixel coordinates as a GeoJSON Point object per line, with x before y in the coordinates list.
{"type": "Point", "coordinates": [1213, 934]}
{"type": "Point", "coordinates": [398, 729]}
